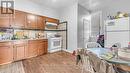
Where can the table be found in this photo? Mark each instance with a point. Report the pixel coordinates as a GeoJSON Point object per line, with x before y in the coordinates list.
{"type": "Point", "coordinates": [123, 64]}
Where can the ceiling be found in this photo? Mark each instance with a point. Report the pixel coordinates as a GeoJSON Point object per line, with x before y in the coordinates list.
{"type": "Point", "coordinates": [91, 5]}
{"type": "Point", "coordinates": [57, 4]}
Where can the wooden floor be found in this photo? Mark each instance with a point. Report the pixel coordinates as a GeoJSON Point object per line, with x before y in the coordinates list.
{"type": "Point", "coordinates": [16, 67]}
{"type": "Point", "coordinates": [59, 62]}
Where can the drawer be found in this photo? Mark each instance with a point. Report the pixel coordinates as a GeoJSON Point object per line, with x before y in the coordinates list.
{"type": "Point", "coordinates": [5, 44]}
{"type": "Point", "coordinates": [20, 42]}
{"type": "Point", "coordinates": [32, 41]}
{"type": "Point", "coordinates": [41, 41]}
{"type": "Point", "coordinates": [38, 41]}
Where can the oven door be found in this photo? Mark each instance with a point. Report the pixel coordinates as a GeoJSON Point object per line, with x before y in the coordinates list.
{"type": "Point", "coordinates": [55, 43]}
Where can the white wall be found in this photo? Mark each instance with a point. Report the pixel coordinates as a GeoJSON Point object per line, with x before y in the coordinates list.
{"type": "Point", "coordinates": [97, 27]}
{"type": "Point", "coordinates": [70, 14]}
{"type": "Point", "coordinates": [113, 8]}
{"type": "Point", "coordinates": [28, 6]}
{"type": "Point", "coordinates": [116, 6]}
{"type": "Point", "coordinates": [82, 14]}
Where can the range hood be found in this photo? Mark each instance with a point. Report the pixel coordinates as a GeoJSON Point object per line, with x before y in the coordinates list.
{"type": "Point", "coordinates": [51, 24]}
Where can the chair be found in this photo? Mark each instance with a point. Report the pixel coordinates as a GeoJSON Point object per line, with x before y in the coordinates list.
{"type": "Point", "coordinates": [87, 65]}
{"type": "Point", "coordinates": [93, 45]}
{"type": "Point", "coordinates": [106, 67]}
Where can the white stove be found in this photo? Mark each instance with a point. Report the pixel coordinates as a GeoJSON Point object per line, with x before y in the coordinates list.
{"type": "Point", "coordinates": [54, 44]}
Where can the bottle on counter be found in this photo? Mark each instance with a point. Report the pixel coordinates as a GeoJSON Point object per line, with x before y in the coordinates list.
{"type": "Point", "coordinates": [115, 51]}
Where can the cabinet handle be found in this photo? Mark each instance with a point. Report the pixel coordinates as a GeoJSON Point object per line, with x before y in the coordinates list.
{"type": "Point", "coordinates": [29, 22]}
{"type": "Point", "coordinates": [14, 46]}
{"type": "Point", "coordinates": [10, 25]}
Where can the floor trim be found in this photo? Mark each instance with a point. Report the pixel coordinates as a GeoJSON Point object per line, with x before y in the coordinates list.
{"type": "Point", "coordinates": [67, 51]}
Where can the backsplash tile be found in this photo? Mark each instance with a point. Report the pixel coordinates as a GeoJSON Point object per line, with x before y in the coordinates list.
{"type": "Point", "coordinates": [6, 34]}
{"type": "Point", "coordinates": [15, 34]}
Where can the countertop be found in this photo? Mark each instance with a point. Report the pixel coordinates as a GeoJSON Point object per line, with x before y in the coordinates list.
{"type": "Point", "coordinates": [22, 40]}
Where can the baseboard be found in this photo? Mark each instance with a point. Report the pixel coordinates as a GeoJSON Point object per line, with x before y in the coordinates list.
{"type": "Point", "coordinates": [54, 50]}
{"type": "Point", "coordinates": [67, 51]}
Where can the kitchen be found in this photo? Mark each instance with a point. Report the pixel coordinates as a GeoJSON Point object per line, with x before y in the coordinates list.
{"type": "Point", "coordinates": [26, 35]}
{"type": "Point", "coordinates": [45, 36]}
{"type": "Point", "coordinates": [25, 38]}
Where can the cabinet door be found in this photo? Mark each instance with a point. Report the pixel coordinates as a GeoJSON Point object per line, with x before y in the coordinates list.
{"type": "Point", "coordinates": [20, 50]}
{"type": "Point", "coordinates": [31, 21]}
{"type": "Point", "coordinates": [45, 47]}
{"type": "Point", "coordinates": [40, 22]}
{"type": "Point", "coordinates": [19, 19]}
{"type": "Point", "coordinates": [32, 49]}
{"type": "Point", "coordinates": [5, 20]}
{"type": "Point", "coordinates": [6, 53]}
{"type": "Point", "coordinates": [52, 20]}
{"type": "Point", "coordinates": [41, 48]}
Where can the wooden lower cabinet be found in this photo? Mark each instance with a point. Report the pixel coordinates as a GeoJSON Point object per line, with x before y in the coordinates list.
{"type": "Point", "coordinates": [32, 48]}
{"type": "Point", "coordinates": [42, 47]}
{"type": "Point", "coordinates": [20, 50]}
{"type": "Point", "coordinates": [45, 47]}
{"type": "Point", "coordinates": [6, 52]}
{"type": "Point", "coordinates": [37, 47]}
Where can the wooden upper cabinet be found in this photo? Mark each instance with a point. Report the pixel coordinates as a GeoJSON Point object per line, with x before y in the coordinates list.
{"type": "Point", "coordinates": [6, 52]}
{"type": "Point", "coordinates": [19, 19]}
{"type": "Point", "coordinates": [31, 21]}
{"type": "Point", "coordinates": [40, 22]}
{"type": "Point", "coordinates": [5, 20]}
{"type": "Point", "coordinates": [22, 19]}
{"type": "Point", "coordinates": [52, 20]}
